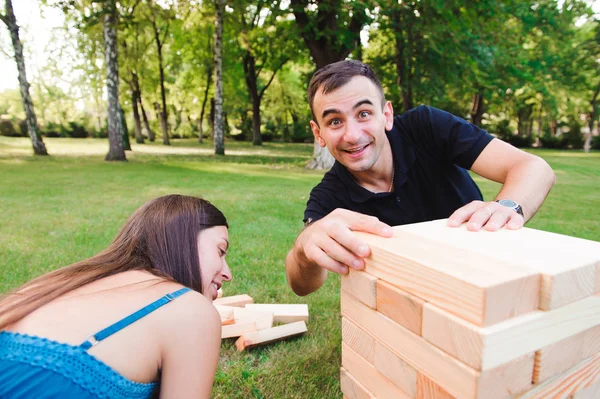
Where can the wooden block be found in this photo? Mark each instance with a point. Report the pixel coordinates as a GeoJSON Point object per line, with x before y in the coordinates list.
{"type": "Point", "coordinates": [362, 285]}
{"type": "Point", "coordinates": [237, 329]}
{"type": "Point", "coordinates": [235, 300]}
{"type": "Point", "coordinates": [226, 314]}
{"type": "Point", "coordinates": [570, 266]}
{"type": "Point", "coordinates": [361, 342]}
{"type": "Point", "coordinates": [427, 389]}
{"type": "Point", "coordinates": [454, 376]}
{"type": "Point", "coordinates": [268, 335]}
{"type": "Point", "coordinates": [400, 306]}
{"type": "Point", "coordinates": [366, 374]}
{"type": "Point", "coordinates": [556, 358]}
{"type": "Point", "coordinates": [283, 313]}
{"type": "Point", "coordinates": [351, 388]}
{"type": "Point", "coordinates": [591, 392]}
{"type": "Point", "coordinates": [476, 287]}
{"type": "Point", "coordinates": [403, 375]}
{"type": "Point", "coordinates": [489, 347]}
{"type": "Point", "coordinates": [577, 378]}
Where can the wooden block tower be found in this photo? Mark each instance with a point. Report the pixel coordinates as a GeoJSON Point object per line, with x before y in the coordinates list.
{"type": "Point", "coordinates": [441, 313]}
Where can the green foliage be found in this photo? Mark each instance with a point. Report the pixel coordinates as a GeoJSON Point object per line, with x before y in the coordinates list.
{"type": "Point", "coordinates": [7, 128]}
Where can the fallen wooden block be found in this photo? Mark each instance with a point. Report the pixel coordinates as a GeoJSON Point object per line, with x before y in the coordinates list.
{"type": "Point", "coordinates": [226, 313]}
{"type": "Point", "coordinates": [263, 319]}
{"type": "Point", "coordinates": [237, 329]}
{"type": "Point", "coordinates": [234, 300]}
{"type": "Point", "coordinates": [570, 266]}
{"type": "Point", "coordinates": [268, 335]}
{"type": "Point", "coordinates": [475, 287]}
{"type": "Point", "coordinates": [283, 313]}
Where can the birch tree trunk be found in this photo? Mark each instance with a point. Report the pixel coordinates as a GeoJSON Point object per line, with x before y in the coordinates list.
{"type": "Point", "coordinates": [218, 128]}
{"type": "Point", "coordinates": [32, 126]}
{"type": "Point", "coordinates": [115, 139]}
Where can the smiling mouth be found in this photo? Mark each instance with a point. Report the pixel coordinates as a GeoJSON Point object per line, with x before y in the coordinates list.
{"type": "Point", "coordinates": [357, 149]}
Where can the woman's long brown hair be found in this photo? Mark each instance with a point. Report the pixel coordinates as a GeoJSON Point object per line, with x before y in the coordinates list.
{"type": "Point", "coordinates": [160, 237]}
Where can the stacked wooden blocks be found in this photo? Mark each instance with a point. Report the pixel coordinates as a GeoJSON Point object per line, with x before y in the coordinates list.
{"type": "Point", "coordinates": [253, 323]}
{"type": "Point", "coordinates": [444, 313]}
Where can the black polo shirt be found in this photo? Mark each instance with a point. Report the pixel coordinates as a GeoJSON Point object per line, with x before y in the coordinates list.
{"type": "Point", "coordinates": [432, 150]}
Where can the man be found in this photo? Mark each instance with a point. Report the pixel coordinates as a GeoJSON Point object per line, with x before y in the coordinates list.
{"type": "Point", "coordinates": [404, 169]}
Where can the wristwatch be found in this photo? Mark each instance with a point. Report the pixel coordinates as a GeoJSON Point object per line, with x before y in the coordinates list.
{"type": "Point", "coordinates": [512, 205]}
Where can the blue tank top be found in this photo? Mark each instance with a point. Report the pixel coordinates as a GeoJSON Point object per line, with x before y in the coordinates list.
{"type": "Point", "coordinates": [35, 367]}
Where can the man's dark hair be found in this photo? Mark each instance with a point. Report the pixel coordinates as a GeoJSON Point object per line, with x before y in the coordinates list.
{"type": "Point", "coordinates": [336, 75]}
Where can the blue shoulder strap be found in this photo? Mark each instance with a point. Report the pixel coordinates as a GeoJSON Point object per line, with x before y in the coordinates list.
{"type": "Point", "coordinates": [121, 324]}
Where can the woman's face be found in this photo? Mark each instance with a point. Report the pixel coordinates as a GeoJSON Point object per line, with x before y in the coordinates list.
{"type": "Point", "coordinates": [213, 244]}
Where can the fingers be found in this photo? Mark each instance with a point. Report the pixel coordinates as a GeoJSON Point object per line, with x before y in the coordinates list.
{"type": "Point", "coordinates": [489, 215]}
{"type": "Point", "coordinates": [359, 222]}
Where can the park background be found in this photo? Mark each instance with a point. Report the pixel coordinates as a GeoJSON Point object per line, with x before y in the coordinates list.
{"type": "Point", "coordinates": [528, 72]}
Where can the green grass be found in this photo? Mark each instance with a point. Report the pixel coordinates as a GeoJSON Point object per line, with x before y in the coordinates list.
{"type": "Point", "coordinates": [63, 208]}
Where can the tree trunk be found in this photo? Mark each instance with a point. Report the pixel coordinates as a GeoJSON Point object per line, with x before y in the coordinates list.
{"type": "Point", "coordinates": [218, 127]}
{"type": "Point", "coordinates": [116, 151]}
{"type": "Point", "coordinates": [162, 121]}
{"type": "Point", "coordinates": [477, 109]}
{"type": "Point", "coordinates": [124, 130]}
{"type": "Point", "coordinates": [32, 126]}
{"type": "Point", "coordinates": [137, 123]}
{"type": "Point", "coordinates": [587, 146]}
{"type": "Point", "coordinates": [164, 116]}
{"type": "Point", "coordinates": [249, 64]}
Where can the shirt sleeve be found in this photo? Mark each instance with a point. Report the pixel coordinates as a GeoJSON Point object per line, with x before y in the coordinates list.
{"type": "Point", "coordinates": [315, 206]}
{"type": "Point", "coordinates": [445, 136]}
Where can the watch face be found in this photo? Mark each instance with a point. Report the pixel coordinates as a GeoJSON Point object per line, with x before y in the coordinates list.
{"type": "Point", "coordinates": [508, 203]}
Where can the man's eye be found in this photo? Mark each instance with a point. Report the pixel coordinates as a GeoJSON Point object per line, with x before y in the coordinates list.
{"type": "Point", "coordinates": [334, 122]}
{"type": "Point", "coordinates": [363, 114]}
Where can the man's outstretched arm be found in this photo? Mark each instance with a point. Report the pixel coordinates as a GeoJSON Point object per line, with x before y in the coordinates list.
{"type": "Point", "coordinates": [328, 244]}
{"type": "Point", "coordinates": [526, 178]}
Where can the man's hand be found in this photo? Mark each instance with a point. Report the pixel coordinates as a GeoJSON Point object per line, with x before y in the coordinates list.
{"type": "Point", "coordinates": [328, 244]}
{"type": "Point", "coordinates": [489, 215]}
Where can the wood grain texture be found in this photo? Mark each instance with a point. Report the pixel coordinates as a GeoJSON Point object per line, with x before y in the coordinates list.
{"type": "Point", "coordinates": [282, 313]}
{"type": "Point", "coordinates": [454, 376]}
{"type": "Point", "coordinates": [269, 335]}
{"type": "Point", "coordinates": [366, 374]}
{"type": "Point", "coordinates": [360, 341]}
{"type": "Point", "coordinates": [559, 357]}
{"type": "Point", "coordinates": [403, 375]}
{"type": "Point", "coordinates": [577, 378]}
{"type": "Point", "coordinates": [591, 392]}
{"type": "Point", "coordinates": [362, 285]}
{"type": "Point", "coordinates": [427, 389]}
{"type": "Point", "coordinates": [570, 266]}
{"type": "Point", "coordinates": [234, 300]}
{"type": "Point", "coordinates": [476, 287]}
{"type": "Point", "coordinates": [400, 306]}
{"type": "Point", "coordinates": [484, 348]}
{"type": "Point", "coordinates": [351, 388]}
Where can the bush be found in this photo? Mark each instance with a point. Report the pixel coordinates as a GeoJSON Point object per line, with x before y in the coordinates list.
{"type": "Point", "coordinates": [549, 141]}
{"type": "Point", "coordinates": [77, 130]}
{"type": "Point", "coordinates": [267, 137]}
{"type": "Point", "coordinates": [237, 137]}
{"type": "Point", "coordinates": [8, 129]}
{"type": "Point", "coordinates": [574, 138]}
{"type": "Point", "coordinates": [55, 130]}
{"type": "Point", "coordinates": [596, 142]}
{"type": "Point", "coordinates": [520, 141]}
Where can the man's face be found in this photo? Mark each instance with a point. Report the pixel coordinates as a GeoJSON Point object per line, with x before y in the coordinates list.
{"type": "Point", "coordinates": [352, 124]}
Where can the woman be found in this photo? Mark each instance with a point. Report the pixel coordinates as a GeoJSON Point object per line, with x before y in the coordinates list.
{"type": "Point", "coordinates": [124, 323]}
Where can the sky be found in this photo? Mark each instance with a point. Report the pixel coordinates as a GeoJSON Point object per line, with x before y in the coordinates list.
{"type": "Point", "coordinates": [36, 33]}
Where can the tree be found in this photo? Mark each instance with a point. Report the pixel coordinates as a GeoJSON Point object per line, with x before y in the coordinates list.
{"type": "Point", "coordinates": [10, 21]}
{"type": "Point", "coordinates": [218, 124]}
{"type": "Point", "coordinates": [116, 151]}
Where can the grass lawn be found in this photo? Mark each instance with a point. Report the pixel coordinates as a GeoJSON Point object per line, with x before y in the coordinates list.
{"type": "Point", "coordinates": [60, 209]}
